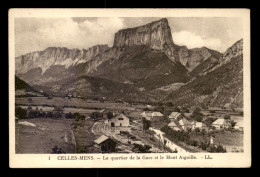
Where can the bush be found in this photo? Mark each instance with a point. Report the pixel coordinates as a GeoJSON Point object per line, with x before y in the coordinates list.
{"type": "Point", "coordinates": [227, 117]}
{"type": "Point", "coordinates": [141, 149]}
{"type": "Point", "coordinates": [49, 114]}
{"type": "Point", "coordinates": [69, 115]}
{"type": "Point", "coordinates": [57, 150]}
{"type": "Point", "coordinates": [109, 115]}
{"type": "Point", "coordinates": [78, 116]}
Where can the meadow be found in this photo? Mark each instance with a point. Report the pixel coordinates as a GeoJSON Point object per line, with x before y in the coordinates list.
{"type": "Point", "coordinates": [45, 135]}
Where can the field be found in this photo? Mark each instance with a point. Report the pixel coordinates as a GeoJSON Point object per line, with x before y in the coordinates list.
{"type": "Point", "coordinates": [41, 138]}
{"type": "Point", "coordinates": [230, 140]}
{"type": "Point", "coordinates": [84, 136]}
{"type": "Point", "coordinates": [75, 103]}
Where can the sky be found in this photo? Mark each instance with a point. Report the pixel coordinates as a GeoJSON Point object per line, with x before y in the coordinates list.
{"type": "Point", "coordinates": [36, 34]}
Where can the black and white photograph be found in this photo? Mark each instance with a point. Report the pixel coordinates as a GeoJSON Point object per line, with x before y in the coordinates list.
{"type": "Point", "coordinates": [129, 85]}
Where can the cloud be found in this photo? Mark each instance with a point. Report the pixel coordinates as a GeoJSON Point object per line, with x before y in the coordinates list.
{"type": "Point", "coordinates": [192, 40]}
{"type": "Point", "coordinates": [39, 33]}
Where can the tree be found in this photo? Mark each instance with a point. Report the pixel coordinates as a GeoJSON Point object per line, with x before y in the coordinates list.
{"type": "Point", "coordinates": [57, 150]}
{"type": "Point", "coordinates": [109, 115]}
{"type": "Point", "coordinates": [69, 115]}
{"type": "Point", "coordinates": [233, 123]}
{"type": "Point", "coordinates": [78, 116]}
{"type": "Point", "coordinates": [227, 117]}
{"type": "Point", "coordinates": [169, 104]}
{"type": "Point", "coordinates": [184, 110]}
{"type": "Point", "coordinates": [176, 109]}
{"type": "Point", "coordinates": [94, 115]}
{"type": "Point", "coordinates": [197, 115]}
{"type": "Point", "coordinates": [197, 130]}
{"type": "Point", "coordinates": [159, 109]}
{"type": "Point", "coordinates": [20, 113]}
{"type": "Point", "coordinates": [146, 124]}
{"type": "Point", "coordinates": [49, 114]}
{"type": "Point", "coordinates": [141, 149]}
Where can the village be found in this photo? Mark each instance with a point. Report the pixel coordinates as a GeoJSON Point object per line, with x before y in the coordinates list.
{"type": "Point", "coordinates": [135, 127]}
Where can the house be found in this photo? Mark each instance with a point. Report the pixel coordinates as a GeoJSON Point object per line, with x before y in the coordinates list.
{"type": "Point", "coordinates": [239, 126]}
{"type": "Point", "coordinates": [175, 116]}
{"type": "Point", "coordinates": [153, 116]}
{"type": "Point", "coordinates": [200, 126]}
{"type": "Point", "coordinates": [193, 124]}
{"type": "Point", "coordinates": [119, 121]}
{"type": "Point", "coordinates": [185, 124]}
{"type": "Point", "coordinates": [175, 125]}
{"type": "Point", "coordinates": [105, 144]}
{"type": "Point", "coordinates": [221, 123]}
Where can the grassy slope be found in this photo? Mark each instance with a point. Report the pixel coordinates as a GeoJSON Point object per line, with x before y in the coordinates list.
{"type": "Point", "coordinates": [20, 84]}
{"type": "Point", "coordinates": [144, 67]}
{"type": "Point", "coordinates": [228, 79]}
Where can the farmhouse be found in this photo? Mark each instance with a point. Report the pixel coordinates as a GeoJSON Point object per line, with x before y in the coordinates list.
{"type": "Point", "coordinates": [221, 124]}
{"type": "Point", "coordinates": [185, 124]}
{"type": "Point", "coordinates": [200, 126]}
{"type": "Point", "coordinates": [105, 144]}
{"type": "Point", "coordinates": [239, 126]}
{"type": "Point", "coordinates": [175, 116]}
{"type": "Point", "coordinates": [153, 116]}
{"type": "Point", "coordinates": [119, 121]}
{"type": "Point", "coordinates": [175, 125]}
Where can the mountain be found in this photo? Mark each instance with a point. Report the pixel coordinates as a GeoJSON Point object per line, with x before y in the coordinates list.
{"type": "Point", "coordinates": [56, 56]}
{"type": "Point", "coordinates": [143, 67]}
{"type": "Point", "coordinates": [87, 86]}
{"type": "Point", "coordinates": [220, 85]}
{"type": "Point", "coordinates": [143, 58]}
{"type": "Point", "coordinates": [21, 85]}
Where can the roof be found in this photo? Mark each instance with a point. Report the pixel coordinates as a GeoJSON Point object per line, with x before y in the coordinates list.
{"type": "Point", "coordinates": [120, 116]}
{"type": "Point", "coordinates": [174, 115]}
{"type": "Point", "coordinates": [101, 139]}
{"type": "Point", "coordinates": [151, 113]}
{"type": "Point", "coordinates": [219, 122]}
{"type": "Point", "coordinates": [193, 122]}
{"type": "Point", "coordinates": [172, 124]}
{"type": "Point", "coordinates": [184, 122]}
{"type": "Point", "coordinates": [175, 125]}
{"type": "Point", "coordinates": [176, 128]}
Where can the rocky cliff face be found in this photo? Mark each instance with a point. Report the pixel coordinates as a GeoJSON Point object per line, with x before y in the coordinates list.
{"type": "Point", "coordinates": [56, 56]}
{"type": "Point", "coordinates": [157, 35]}
{"type": "Point", "coordinates": [232, 52]}
{"type": "Point", "coordinates": [191, 58]}
{"type": "Point", "coordinates": [220, 85]}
